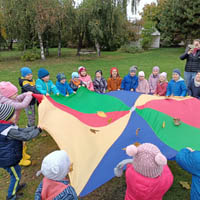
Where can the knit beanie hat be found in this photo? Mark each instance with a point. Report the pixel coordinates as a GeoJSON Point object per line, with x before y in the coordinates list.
{"type": "Point", "coordinates": [7, 89]}
{"type": "Point", "coordinates": [80, 69]}
{"type": "Point", "coordinates": [177, 71]}
{"type": "Point", "coordinates": [60, 76]}
{"type": "Point", "coordinates": [100, 71]}
{"type": "Point", "coordinates": [147, 159]}
{"type": "Point", "coordinates": [133, 69]}
{"type": "Point", "coordinates": [156, 68]}
{"type": "Point", "coordinates": [113, 68]}
{"type": "Point", "coordinates": [75, 75]}
{"type": "Point", "coordinates": [141, 73]}
{"type": "Point", "coordinates": [25, 71]}
{"type": "Point", "coordinates": [164, 74]}
{"type": "Point", "coordinates": [55, 166]}
{"type": "Point", "coordinates": [6, 112]}
{"type": "Point", "coordinates": [42, 73]}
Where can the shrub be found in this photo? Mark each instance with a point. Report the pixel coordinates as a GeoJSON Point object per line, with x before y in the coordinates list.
{"type": "Point", "coordinates": [30, 55]}
{"type": "Point", "coordinates": [130, 49]}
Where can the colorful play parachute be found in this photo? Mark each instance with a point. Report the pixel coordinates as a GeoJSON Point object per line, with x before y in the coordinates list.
{"type": "Point", "coordinates": [95, 128]}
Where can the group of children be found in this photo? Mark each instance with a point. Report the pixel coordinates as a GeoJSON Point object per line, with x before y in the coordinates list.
{"type": "Point", "coordinates": [147, 174]}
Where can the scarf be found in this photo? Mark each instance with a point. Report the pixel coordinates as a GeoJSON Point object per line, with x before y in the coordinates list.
{"type": "Point", "coordinates": [195, 51]}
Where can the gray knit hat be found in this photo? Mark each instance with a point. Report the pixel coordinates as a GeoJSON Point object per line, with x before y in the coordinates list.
{"type": "Point", "coordinates": [147, 159]}
{"type": "Point", "coordinates": [133, 69]}
{"type": "Point", "coordinates": [6, 112]}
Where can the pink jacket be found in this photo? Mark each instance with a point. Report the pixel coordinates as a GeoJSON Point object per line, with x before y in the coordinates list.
{"type": "Point", "coordinates": [143, 86]}
{"type": "Point", "coordinates": [87, 81]}
{"type": "Point", "coordinates": [21, 102]}
{"type": "Point", "coordinates": [161, 88]}
{"type": "Point", "coordinates": [140, 187]}
{"type": "Point", "coordinates": [153, 83]}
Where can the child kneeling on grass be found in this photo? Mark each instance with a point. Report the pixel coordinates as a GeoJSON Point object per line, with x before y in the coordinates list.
{"type": "Point", "coordinates": [11, 146]}
{"type": "Point", "coordinates": [143, 85]}
{"type": "Point", "coordinates": [54, 185]}
{"type": "Point", "coordinates": [62, 85]}
{"type": "Point", "coordinates": [148, 176]}
{"type": "Point", "coordinates": [44, 85]}
{"type": "Point", "coordinates": [75, 83]}
{"type": "Point", "coordinates": [130, 81]}
{"type": "Point", "coordinates": [162, 85]}
{"type": "Point", "coordinates": [176, 87]}
{"type": "Point", "coordinates": [189, 160]}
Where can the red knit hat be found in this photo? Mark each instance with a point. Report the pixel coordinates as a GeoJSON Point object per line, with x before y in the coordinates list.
{"type": "Point", "coordinates": [113, 68]}
{"type": "Point", "coordinates": [80, 69]}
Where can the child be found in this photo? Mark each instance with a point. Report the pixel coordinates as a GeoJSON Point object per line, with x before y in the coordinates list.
{"type": "Point", "coordinates": [147, 175]}
{"type": "Point", "coordinates": [161, 88]}
{"type": "Point", "coordinates": [130, 81]}
{"type": "Point", "coordinates": [8, 95]}
{"type": "Point", "coordinates": [153, 79]}
{"type": "Point", "coordinates": [62, 85]}
{"type": "Point", "coordinates": [176, 87]}
{"type": "Point", "coordinates": [54, 185]}
{"type": "Point", "coordinates": [114, 82]}
{"type": "Point", "coordinates": [85, 78]}
{"type": "Point", "coordinates": [194, 87]}
{"type": "Point", "coordinates": [75, 83]}
{"type": "Point", "coordinates": [27, 83]}
{"type": "Point", "coordinates": [44, 85]}
{"type": "Point", "coordinates": [189, 160]}
{"type": "Point", "coordinates": [143, 85]}
{"type": "Point", "coordinates": [100, 84]}
{"type": "Point", "coordinates": [11, 144]}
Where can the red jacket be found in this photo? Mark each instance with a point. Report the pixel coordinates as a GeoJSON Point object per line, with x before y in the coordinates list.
{"type": "Point", "coordinates": [161, 88]}
{"type": "Point", "coordinates": [140, 187]}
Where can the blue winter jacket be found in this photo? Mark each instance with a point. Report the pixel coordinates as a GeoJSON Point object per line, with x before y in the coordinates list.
{"type": "Point", "coordinates": [190, 161]}
{"type": "Point", "coordinates": [129, 82]}
{"type": "Point", "coordinates": [64, 88]}
{"type": "Point", "coordinates": [46, 87]}
{"type": "Point", "coordinates": [176, 88]}
{"type": "Point", "coordinates": [10, 150]}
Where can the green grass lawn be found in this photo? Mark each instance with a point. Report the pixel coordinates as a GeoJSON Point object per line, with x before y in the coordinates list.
{"type": "Point", "coordinates": [10, 65]}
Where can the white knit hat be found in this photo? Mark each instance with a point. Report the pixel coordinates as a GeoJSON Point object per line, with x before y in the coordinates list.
{"type": "Point", "coordinates": [55, 166]}
{"type": "Point", "coordinates": [164, 74]}
{"type": "Point", "coordinates": [147, 159]}
{"type": "Point", "coordinates": [141, 73]}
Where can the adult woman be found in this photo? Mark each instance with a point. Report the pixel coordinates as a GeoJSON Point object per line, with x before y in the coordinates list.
{"type": "Point", "coordinates": [194, 86]}
{"type": "Point", "coordinates": [192, 55]}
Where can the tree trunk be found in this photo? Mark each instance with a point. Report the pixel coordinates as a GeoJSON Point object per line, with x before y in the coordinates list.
{"type": "Point", "coordinates": [97, 45]}
{"type": "Point", "coordinates": [79, 45]}
{"type": "Point", "coordinates": [59, 44]}
{"type": "Point", "coordinates": [41, 46]}
{"type": "Point", "coordinates": [47, 48]}
{"type": "Point", "coordinates": [10, 46]}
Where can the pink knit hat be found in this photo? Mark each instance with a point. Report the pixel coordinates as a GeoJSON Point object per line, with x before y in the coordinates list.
{"type": "Point", "coordinates": [147, 159]}
{"type": "Point", "coordinates": [7, 89]}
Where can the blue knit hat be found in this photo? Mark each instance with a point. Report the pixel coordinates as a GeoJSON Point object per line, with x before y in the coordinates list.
{"type": "Point", "coordinates": [25, 71]}
{"type": "Point", "coordinates": [42, 73]}
{"type": "Point", "coordinates": [177, 71]}
{"type": "Point", "coordinates": [60, 76]}
{"type": "Point", "coordinates": [75, 75]}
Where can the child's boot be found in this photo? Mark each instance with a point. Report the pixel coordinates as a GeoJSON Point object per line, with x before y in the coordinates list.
{"type": "Point", "coordinates": [25, 155]}
{"type": "Point", "coordinates": [24, 162]}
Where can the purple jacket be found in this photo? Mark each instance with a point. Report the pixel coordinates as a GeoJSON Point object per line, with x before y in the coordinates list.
{"type": "Point", "coordinates": [21, 102]}
{"type": "Point", "coordinates": [153, 81]}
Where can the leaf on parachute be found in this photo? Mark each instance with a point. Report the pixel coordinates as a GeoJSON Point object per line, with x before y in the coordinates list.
{"type": "Point", "coordinates": [94, 131]}
{"type": "Point", "coordinates": [137, 131]}
{"type": "Point", "coordinates": [163, 125]}
{"type": "Point", "coordinates": [136, 144]}
{"type": "Point", "coordinates": [185, 184]}
{"type": "Point", "coordinates": [101, 114]}
{"type": "Point", "coordinates": [177, 121]}
{"type": "Point", "coordinates": [109, 120]}
{"type": "Point", "coordinates": [71, 167]}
